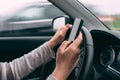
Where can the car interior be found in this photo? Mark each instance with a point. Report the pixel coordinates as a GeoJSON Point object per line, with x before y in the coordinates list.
{"type": "Point", "coordinates": [100, 50]}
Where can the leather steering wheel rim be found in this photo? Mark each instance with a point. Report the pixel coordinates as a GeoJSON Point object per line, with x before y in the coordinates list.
{"type": "Point", "coordinates": [87, 61]}
{"type": "Point", "coordinates": [88, 55]}
{"type": "Point", "coordinates": [82, 69]}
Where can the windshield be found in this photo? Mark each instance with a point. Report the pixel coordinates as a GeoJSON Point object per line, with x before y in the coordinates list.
{"type": "Point", "coordinates": [108, 11]}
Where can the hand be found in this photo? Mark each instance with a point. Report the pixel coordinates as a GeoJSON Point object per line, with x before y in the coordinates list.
{"type": "Point", "coordinates": [59, 36]}
{"type": "Point", "coordinates": [67, 58]}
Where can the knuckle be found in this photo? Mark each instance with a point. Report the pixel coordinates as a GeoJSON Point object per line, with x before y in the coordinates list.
{"type": "Point", "coordinates": [61, 28]}
{"type": "Point", "coordinates": [73, 48]}
{"type": "Point", "coordinates": [63, 43]}
{"type": "Point", "coordinates": [59, 50]}
{"type": "Point", "coordinates": [61, 34]}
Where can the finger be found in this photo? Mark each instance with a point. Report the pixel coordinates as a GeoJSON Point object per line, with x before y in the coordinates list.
{"type": "Point", "coordinates": [65, 29]}
{"type": "Point", "coordinates": [68, 25]}
{"type": "Point", "coordinates": [64, 45]}
{"type": "Point", "coordinates": [78, 40]}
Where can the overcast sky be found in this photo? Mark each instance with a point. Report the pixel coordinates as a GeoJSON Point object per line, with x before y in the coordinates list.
{"type": "Point", "coordinates": [106, 6]}
{"type": "Point", "coordinates": [8, 6]}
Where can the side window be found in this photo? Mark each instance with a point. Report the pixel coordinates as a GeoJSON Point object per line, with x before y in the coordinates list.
{"type": "Point", "coordinates": [52, 12]}
{"type": "Point", "coordinates": [37, 13]}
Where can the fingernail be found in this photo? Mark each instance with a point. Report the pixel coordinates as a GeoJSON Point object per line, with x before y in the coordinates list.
{"type": "Point", "coordinates": [70, 25]}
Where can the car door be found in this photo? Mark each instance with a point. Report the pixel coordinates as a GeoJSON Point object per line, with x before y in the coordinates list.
{"type": "Point", "coordinates": [24, 33]}
{"type": "Point", "coordinates": [27, 32]}
{"type": "Point", "coordinates": [21, 37]}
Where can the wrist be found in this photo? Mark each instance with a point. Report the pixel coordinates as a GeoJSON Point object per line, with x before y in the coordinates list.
{"type": "Point", "coordinates": [59, 74]}
{"type": "Point", "coordinates": [51, 43]}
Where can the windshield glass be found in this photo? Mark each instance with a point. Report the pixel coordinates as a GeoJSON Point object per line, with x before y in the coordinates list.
{"type": "Point", "coordinates": [108, 11]}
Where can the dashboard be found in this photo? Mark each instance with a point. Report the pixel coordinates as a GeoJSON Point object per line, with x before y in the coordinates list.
{"type": "Point", "coordinates": [106, 61]}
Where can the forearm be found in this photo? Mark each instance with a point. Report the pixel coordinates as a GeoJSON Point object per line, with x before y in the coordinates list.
{"type": "Point", "coordinates": [24, 65]}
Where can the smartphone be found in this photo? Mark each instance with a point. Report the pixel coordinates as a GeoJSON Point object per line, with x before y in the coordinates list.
{"type": "Point", "coordinates": [75, 29]}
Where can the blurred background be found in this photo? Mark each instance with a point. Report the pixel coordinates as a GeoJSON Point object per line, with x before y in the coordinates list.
{"type": "Point", "coordinates": [18, 15]}
{"type": "Point", "coordinates": [107, 11]}
{"type": "Point", "coordinates": [8, 7]}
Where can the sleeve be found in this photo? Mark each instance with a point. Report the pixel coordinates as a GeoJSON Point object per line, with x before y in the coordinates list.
{"type": "Point", "coordinates": [50, 77]}
{"type": "Point", "coordinates": [21, 67]}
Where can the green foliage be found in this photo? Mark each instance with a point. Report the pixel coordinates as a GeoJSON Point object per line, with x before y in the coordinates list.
{"type": "Point", "coordinates": [116, 24]}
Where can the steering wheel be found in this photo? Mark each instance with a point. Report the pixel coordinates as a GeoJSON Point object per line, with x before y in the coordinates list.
{"type": "Point", "coordinates": [82, 70]}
